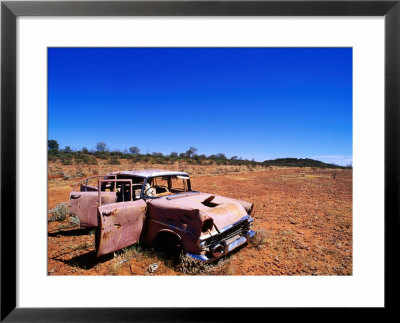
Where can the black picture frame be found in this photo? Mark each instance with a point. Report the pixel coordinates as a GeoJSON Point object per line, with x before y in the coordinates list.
{"type": "Point", "coordinates": [10, 10]}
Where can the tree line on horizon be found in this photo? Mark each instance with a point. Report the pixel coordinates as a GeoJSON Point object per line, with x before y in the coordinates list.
{"type": "Point", "coordinates": [101, 151]}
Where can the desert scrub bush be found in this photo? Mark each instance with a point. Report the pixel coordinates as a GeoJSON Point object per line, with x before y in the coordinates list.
{"type": "Point", "coordinates": [89, 160]}
{"type": "Point", "coordinates": [59, 213]}
{"type": "Point", "coordinates": [127, 253]}
{"type": "Point", "coordinates": [114, 160]}
{"type": "Point", "coordinates": [124, 256]}
{"type": "Point", "coordinates": [115, 269]}
{"type": "Point", "coordinates": [102, 155]}
{"type": "Point", "coordinates": [73, 220]}
{"type": "Point", "coordinates": [80, 173]}
{"type": "Point", "coordinates": [65, 175]}
{"type": "Point", "coordinates": [221, 267]}
{"type": "Point", "coordinates": [67, 162]}
{"type": "Point", "coordinates": [130, 252]}
{"type": "Point", "coordinates": [260, 239]}
{"type": "Point", "coordinates": [191, 266]}
{"type": "Point", "coordinates": [81, 246]}
{"type": "Point", "coordinates": [51, 158]}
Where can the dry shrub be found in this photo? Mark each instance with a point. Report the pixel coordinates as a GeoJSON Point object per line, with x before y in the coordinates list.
{"type": "Point", "coordinates": [59, 213]}
{"type": "Point", "coordinates": [221, 267]}
{"type": "Point", "coordinates": [115, 269]}
{"type": "Point", "coordinates": [127, 253]}
{"type": "Point", "coordinates": [73, 220]}
{"type": "Point", "coordinates": [260, 239]}
{"type": "Point", "coordinates": [191, 266]}
{"type": "Point", "coordinates": [81, 246]}
{"type": "Point", "coordinates": [80, 173]}
{"type": "Point", "coordinates": [123, 256]}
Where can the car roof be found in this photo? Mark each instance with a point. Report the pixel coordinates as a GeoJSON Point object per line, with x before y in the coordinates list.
{"type": "Point", "coordinates": [149, 173]}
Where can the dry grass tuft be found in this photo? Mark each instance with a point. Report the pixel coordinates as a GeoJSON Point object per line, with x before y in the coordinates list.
{"type": "Point", "coordinates": [115, 269]}
{"type": "Point", "coordinates": [260, 239]}
{"type": "Point", "coordinates": [82, 246]}
{"type": "Point", "coordinates": [221, 267]}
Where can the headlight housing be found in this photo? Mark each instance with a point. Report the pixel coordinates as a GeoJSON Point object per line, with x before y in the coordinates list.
{"type": "Point", "coordinates": [249, 223]}
{"type": "Point", "coordinates": [203, 245]}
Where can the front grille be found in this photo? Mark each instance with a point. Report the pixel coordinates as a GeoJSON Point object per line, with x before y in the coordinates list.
{"type": "Point", "coordinates": [237, 229]}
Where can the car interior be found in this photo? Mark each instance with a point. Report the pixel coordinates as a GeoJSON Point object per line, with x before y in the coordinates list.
{"type": "Point", "coordinates": [166, 185]}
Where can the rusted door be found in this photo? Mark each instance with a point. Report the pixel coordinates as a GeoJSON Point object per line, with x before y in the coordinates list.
{"type": "Point", "coordinates": [84, 200]}
{"type": "Point", "coordinates": [84, 205]}
{"type": "Point", "coordinates": [120, 225]}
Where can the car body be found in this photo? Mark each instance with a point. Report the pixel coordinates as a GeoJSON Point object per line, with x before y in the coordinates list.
{"type": "Point", "coordinates": [158, 207]}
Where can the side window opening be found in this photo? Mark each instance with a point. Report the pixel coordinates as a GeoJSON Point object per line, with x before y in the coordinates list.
{"type": "Point", "coordinates": [91, 184]}
{"type": "Point", "coordinates": [135, 190]}
{"type": "Point", "coordinates": [122, 189]}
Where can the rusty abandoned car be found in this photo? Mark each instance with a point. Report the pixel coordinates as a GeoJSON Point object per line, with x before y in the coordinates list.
{"type": "Point", "coordinates": [159, 208]}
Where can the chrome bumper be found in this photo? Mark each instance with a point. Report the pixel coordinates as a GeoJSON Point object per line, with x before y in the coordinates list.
{"type": "Point", "coordinates": [227, 249]}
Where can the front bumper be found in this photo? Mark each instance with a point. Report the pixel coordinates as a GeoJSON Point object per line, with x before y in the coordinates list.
{"type": "Point", "coordinates": [227, 248]}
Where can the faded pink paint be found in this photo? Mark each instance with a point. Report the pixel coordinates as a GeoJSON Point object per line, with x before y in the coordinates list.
{"type": "Point", "coordinates": [226, 212]}
{"type": "Point", "coordinates": [190, 216]}
{"type": "Point", "coordinates": [120, 225]}
{"type": "Point", "coordinates": [84, 205]}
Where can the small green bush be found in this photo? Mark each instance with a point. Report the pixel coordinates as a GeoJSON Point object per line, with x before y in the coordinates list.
{"type": "Point", "coordinates": [102, 155]}
{"type": "Point", "coordinates": [114, 161]}
{"type": "Point", "coordinates": [80, 173]}
{"type": "Point", "coordinates": [74, 221]}
{"type": "Point", "coordinates": [67, 162]}
{"type": "Point", "coordinates": [51, 158]}
{"type": "Point", "coordinates": [59, 213]}
{"type": "Point", "coordinates": [89, 160]}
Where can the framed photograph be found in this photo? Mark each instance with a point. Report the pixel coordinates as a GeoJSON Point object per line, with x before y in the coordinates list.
{"type": "Point", "coordinates": [255, 143]}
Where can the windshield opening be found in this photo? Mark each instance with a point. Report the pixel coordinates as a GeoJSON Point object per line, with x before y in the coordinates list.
{"type": "Point", "coordinates": [166, 185]}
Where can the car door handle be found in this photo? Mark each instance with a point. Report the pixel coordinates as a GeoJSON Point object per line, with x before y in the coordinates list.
{"type": "Point", "coordinates": [74, 197]}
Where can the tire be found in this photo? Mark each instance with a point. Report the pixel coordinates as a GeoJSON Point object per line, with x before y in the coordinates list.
{"type": "Point", "coordinates": [168, 244]}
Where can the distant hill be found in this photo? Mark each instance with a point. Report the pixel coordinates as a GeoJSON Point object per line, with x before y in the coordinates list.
{"type": "Point", "coordinates": [300, 162]}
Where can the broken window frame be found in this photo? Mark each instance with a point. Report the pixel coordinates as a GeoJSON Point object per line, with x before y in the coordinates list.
{"type": "Point", "coordinates": [115, 187]}
{"type": "Point", "coordinates": [88, 178]}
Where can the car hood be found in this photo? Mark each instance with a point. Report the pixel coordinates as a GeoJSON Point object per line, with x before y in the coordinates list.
{"type": "Point", "coordinates": [224, 211]}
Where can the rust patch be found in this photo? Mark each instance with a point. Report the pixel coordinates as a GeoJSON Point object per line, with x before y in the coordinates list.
{"type": "Point", "coordinates": [223, 209]}
{"type": "Point", "coordinates": [106, 236]}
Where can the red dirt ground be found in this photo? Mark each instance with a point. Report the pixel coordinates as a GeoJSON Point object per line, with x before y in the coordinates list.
{"type": "Point", "coordinates": [303, 219]}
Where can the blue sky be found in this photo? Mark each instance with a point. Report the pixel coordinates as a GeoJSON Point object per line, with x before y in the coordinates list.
{"type": "Point", "coordinates": [261, 103]}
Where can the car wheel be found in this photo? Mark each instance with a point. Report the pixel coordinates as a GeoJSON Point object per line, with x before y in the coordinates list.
{"type": "Point", "coordinates": [168, 244]}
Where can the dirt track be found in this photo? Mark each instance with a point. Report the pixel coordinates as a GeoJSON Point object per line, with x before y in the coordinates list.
{"type": "Point", "coordinates": [303, 218]}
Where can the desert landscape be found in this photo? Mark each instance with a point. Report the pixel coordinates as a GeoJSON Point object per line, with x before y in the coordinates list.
{"type": "Point", "coordinates": [302, 216]}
